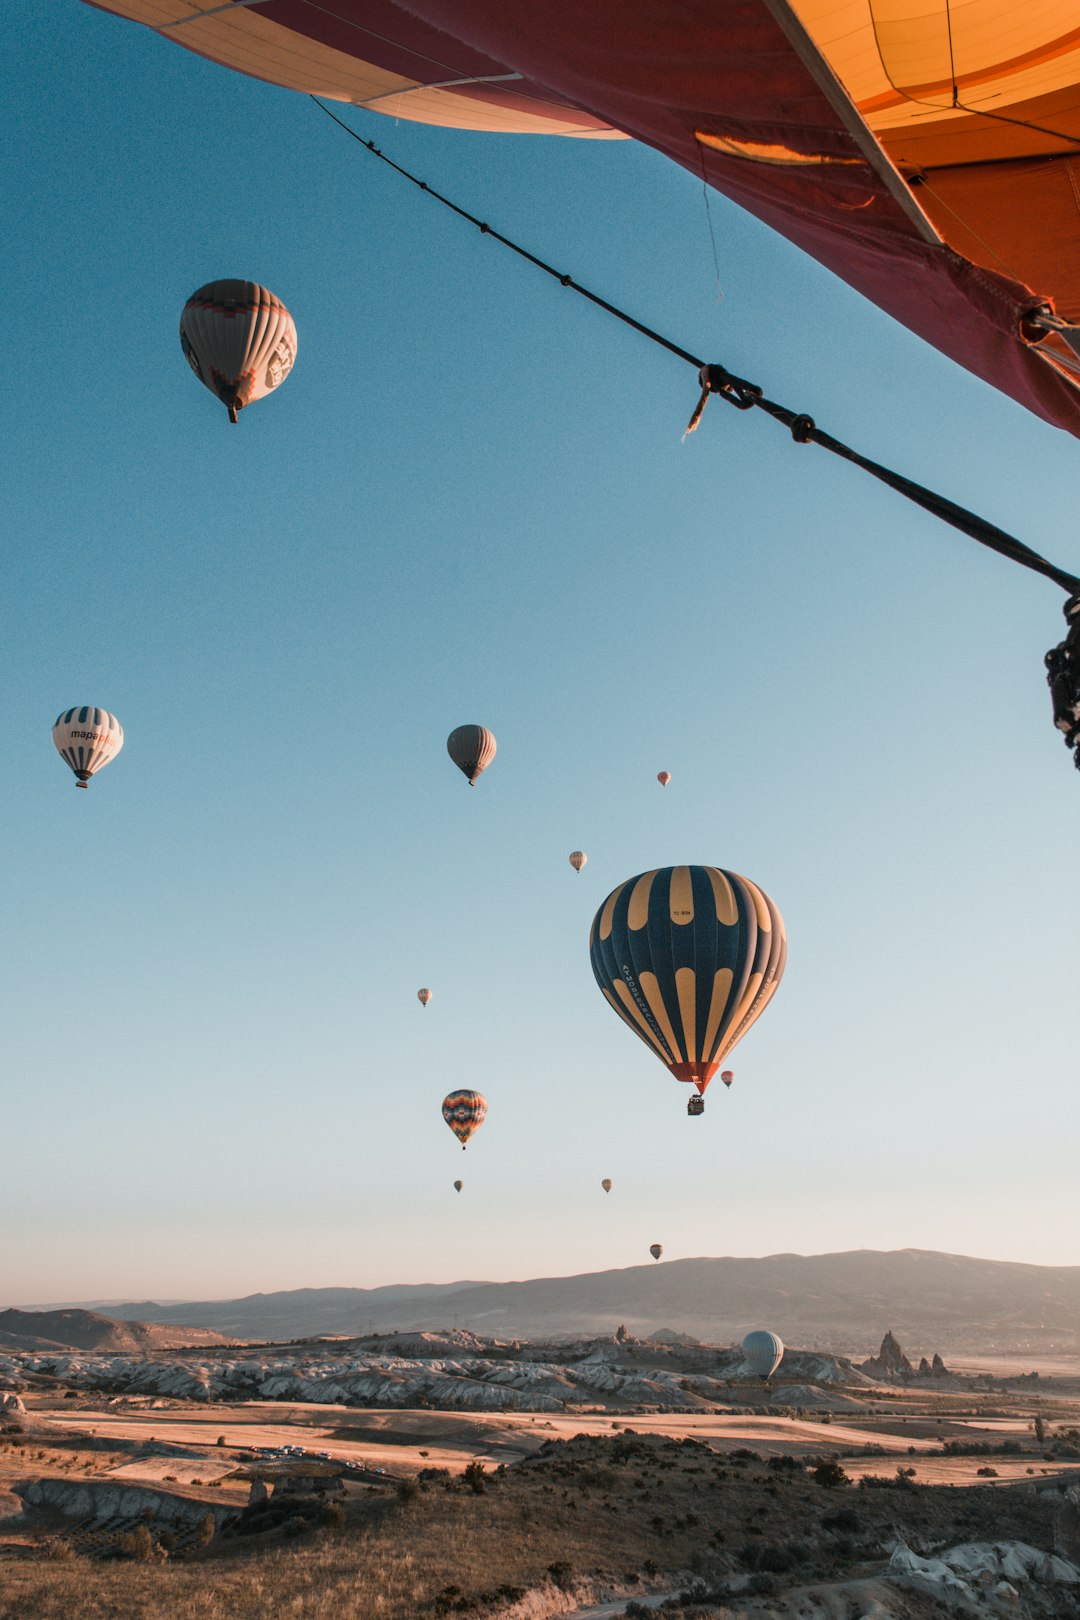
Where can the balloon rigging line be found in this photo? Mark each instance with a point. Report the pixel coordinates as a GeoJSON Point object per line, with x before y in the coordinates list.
{"type": "Point", "coordinates": [744, 395]}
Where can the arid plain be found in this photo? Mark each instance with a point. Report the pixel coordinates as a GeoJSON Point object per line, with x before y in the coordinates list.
{"type": "Point", "coordinates": [841, 1489]}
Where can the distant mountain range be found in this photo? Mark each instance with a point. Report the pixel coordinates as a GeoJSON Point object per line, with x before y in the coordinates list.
{"type": "Point", "coordinates": [77, 1329]}
{"type": "Point", "coordinates": [834, 1302]}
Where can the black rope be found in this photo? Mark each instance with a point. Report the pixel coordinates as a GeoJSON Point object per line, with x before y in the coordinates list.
{"type": "Point", "coordinates": [745, 396]}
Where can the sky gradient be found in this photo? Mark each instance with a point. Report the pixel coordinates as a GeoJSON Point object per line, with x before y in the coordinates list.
{"type": "Point", "coordinates": [471, 502]}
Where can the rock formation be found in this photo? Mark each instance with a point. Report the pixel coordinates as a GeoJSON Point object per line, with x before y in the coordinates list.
{"type": "Point", "coordinates": [890, 1361]}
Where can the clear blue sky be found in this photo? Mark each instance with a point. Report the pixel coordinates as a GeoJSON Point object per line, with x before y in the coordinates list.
{"type": "Point", "coordinates": [471, 501]}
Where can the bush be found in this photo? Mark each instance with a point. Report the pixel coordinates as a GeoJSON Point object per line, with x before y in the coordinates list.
{"type": "Point", "coordinates": [987, 1473]}
{"type": "Point", "coordinates": [408, 1490]}
{"type": "Point", "coordinates": [138, 1545]}
{"type": "Point", "coordinates": [829, 1474]}
{"type": "Point", "coordinates": [220, 1440]}
{"type": "Point", "coordinates": [475, 1477]}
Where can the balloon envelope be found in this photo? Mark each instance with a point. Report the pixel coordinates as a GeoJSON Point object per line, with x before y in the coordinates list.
{"type": "Point", "coordinates": [423, 997]}
{"type": "Point", "coordinates": [578, 859]}
{"type": "Point", "coordinates": [87, 739]}
{"type": "Point", "coordinates": [240, 341]}
{"type": "Point", "coordinates": [472, 749]}
{"type": "Point", "coordinates": [689, 957]}
{"type": "Point", "coordinates": [458, 1186]}
{"type": "Point", "coordinates": [464, 1112]}
{"type": "Point", "coordinates": [663, 777]}
{"type": "Point", "coordinates": [606, 1184]}
{"type": "Point", "coordinates": [763, 1351]}
{"type": "Point", "coordinates": [727, 1076]}
{"type": "Point", "coordinates": [656, 1250]}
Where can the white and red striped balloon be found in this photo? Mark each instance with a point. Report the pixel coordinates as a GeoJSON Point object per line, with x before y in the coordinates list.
{"type": "Point", "coordinates": [240, 341]}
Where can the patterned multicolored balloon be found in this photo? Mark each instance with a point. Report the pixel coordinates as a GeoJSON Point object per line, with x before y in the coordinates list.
{"type": "Point", "coordinates": [689, 957]}
{"type": "Point", "coordinates": [472, 749]}
{"type": "Point", "coordinates": [240, 341]}
{"type": "Point", "coordinates": [423, 996]}
{"type": "Point", "coordinates": [464, 1112]}
{"type": "Point", "coordinates": [87, 739]}
{"type": "Point", "coordinates": [578, 859]}
{"type": "Point", "coordinates": [727, 1076]}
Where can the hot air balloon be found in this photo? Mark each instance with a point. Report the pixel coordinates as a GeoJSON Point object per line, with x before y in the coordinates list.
{"type": "Point", "coordinates": [458, 1186]}
{"type": "Point", "coordinates": [663, 777]}
{"type": "Point", "coordinates": [240, 341]}
{"type": "Point", "coordinates": [472, 749]}
{"type": "Point", "coordinates": [689, 957]}
{"type": "Point", "coordinates": [464, 1112]}
{"type": "Point", "coordinates": [929, 165]}
{"type": "Point", "coordinates": [727, 1076]}
{"type": "Point", "coordinates": [423, 997]}
{"type": "Point", "coordinates": [578, 859]}
{"type": "Point", "coordinates": [87, 739]}
{"type": "Point", "coordinates": [656, 1250]}
{"type": "Point", "coordinates": [607, 1184]}
{"type": "Point", "coordinates": [763, 1352]}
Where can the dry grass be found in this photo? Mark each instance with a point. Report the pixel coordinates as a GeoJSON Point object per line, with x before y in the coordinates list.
{"type": "Point", "coordinates": [626, 1510]}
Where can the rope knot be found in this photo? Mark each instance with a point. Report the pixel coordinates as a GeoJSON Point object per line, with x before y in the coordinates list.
{"type": "Point", "coordinates": [803, 429]}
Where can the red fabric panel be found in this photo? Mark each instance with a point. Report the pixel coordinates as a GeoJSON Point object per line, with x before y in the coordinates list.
{"type": "Point", "coordinates": [660, 70]}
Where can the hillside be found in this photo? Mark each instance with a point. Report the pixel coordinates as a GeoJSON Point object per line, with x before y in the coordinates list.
{"type": "Point", "coordinates": [88, 1330]}
{"type": "Point", "coordinates": [839, 1302]}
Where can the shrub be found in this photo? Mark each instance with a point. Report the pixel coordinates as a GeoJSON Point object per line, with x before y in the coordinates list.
{"type": "Point", "coordinates": [220, 1440]}
{"type": "Point", "coordinates": [987, 1473]}
{"type": "Point", "coordinates": [475, 1477]}
{"type": "Point", "coordinates": [408, 1490]}
{"type": "Point", "coordinates": [829, 1474]}
{"type": "Point", "coordinates": [138, 1545]}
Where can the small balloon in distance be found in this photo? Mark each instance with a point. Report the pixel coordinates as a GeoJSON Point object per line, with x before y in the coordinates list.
{"type": "Point", "coordinates": [764, 1352]}
{"type": "Point", "coordinates": [458, 1186]}
{"type": "Point", "coordinates": [239, 340]}
{"type": "Point", "coordinates": [663, 777]}
{"type": "Point", "coordinates": [607, 1184]}
{"type": "Point", "coordinates": [423, 996]}
{"type": "Point", "coordinates": [656, 1250]}
{"type": "Point", "coordinates": [472, 749]}
{"type": "Point", "coordinates": [578, 859]}
{"type": "Point", "coordinates": [87, 739]}
{"type": "Point", "coordinates": [727, 1076]}
{"type": "Point", "coordinates": [464, 1112]}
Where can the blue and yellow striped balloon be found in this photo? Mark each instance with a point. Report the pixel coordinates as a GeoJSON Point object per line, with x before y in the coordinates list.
{"type": "Point", "coordinates": [689, 957]}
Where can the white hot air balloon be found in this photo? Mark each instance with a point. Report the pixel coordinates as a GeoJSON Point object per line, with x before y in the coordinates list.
{"type": "Point", "coordinates": [240, 341]}
{"type": "Point", "coordinates": [578, 859]}
{"type": "Point", "coordinates": [763, 1351]}
{"type": "Point", "coordinates": [87, 739]}
{"type": "Point", "coordinates": [423, 996]}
